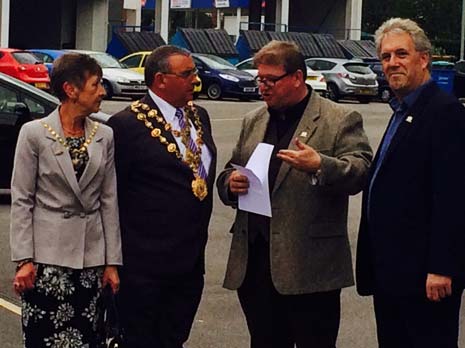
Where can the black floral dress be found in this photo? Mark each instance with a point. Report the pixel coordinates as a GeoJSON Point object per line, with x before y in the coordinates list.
{"type": "Point", "coordinates": [62, 309]}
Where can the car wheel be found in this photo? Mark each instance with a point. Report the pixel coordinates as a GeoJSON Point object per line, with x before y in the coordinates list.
{"type": "Point", "coordinates": [214, 91]}
{"type": "Point", "coordinates": [385, 95]}
{"type": "Point", "coordinates": [333, 92]}
{"type": "Point", "coordinates": [108, 89]}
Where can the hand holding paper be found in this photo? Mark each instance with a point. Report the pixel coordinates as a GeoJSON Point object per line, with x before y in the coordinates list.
{"type": "Point", "coordinates": [256, 196]}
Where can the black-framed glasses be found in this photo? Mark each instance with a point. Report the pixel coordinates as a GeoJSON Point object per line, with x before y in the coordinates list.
{"type": "Point", "coordinates": [271, 80]}
{"type": "Point", "coordinates": [185, 74]}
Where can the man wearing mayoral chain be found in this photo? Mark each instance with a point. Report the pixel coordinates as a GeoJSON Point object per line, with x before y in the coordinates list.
{"type": "Point", "coordinates": [165, 161]}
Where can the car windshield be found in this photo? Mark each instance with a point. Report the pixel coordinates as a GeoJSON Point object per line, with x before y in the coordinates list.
{"type": "Point", "coordinates": [106, 61]}
{"type": "Point", "coordinates": [358, 68]}
{"type": "Point", "coordinates": [215, 62]}
{"type": "Point", "coordinates": [25, 58]}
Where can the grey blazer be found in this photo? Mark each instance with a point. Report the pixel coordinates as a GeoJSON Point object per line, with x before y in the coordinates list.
{"type": "Point", "coordinates": [54, 218]}
{"type": "Point", "coordinates": [309, 245]}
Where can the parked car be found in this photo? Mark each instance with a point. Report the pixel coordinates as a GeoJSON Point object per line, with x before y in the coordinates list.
{"type": "Point", "coordinates": [346, 78]}
{"type": "Point", "coordinates": [117, 80]}
{"type": "Point", "coordinates": [315, 79]}
{"type": "Point", "coordinates": [47, 56]}
{"type": "Point", "coordinates": [136, 61]}
{"type": "Point", "coordinates": [384, 91]}
{"type": "Point", "coordinates": [24, 66]}
{"type": "Point", "coordinates": [220, 78]}
{"type": "Point", "coordinates": [20, 103]}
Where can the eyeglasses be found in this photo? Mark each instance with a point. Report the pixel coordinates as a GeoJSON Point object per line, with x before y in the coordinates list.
{"type": "Point", "coordinates": [270, 81]}
{"type": "Point", "coordinates": [185, 74]}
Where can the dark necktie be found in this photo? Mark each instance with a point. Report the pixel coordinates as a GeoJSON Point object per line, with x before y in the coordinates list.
{"type": "Point", "coordinates": [190, 142]}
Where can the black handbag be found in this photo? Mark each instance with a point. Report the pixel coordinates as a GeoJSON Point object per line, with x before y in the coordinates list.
{"type": "Point", "coordinates": [109, 329]}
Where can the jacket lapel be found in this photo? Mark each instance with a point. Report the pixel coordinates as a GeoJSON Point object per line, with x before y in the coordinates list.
{"type": "Point", "coordinates": [61, 153]}
{"type": "Point", "coordinates": [167, 134]}
{"type": "Point", "coordinates": [256, 134]}
{"type": "Point", "coordinates": [304, 131]}
{"type": "Point", "coordinates": [412, 117]}
{"type": "Point", "coordinates": [94, 150]}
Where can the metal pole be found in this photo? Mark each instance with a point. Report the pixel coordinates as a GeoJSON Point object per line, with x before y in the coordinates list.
{"type": "Point", "coordinates": [462, 36]}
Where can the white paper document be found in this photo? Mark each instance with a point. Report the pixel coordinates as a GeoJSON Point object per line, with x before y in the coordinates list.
{"type": "Point", "coordinates": [257, 200]}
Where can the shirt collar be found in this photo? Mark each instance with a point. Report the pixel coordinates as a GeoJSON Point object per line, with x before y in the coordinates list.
{"type": "Point", "coordinates": [294, 111]}
{"type": "Point", "coordinates": [410, 99]}
{"type": "Point", "coordinates": [167, 110]}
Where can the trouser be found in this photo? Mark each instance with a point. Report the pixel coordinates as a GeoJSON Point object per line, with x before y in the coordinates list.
{"type": "Point", "coordinates": [416, 322]}
{"type": "Point", "coordinates": [282, 321]}
{"type": "Point", "coordinates": [159, 312]}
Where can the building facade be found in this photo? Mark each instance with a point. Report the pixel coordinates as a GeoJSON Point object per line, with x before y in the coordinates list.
{"type": "Point", "coordinates": [88, 24]}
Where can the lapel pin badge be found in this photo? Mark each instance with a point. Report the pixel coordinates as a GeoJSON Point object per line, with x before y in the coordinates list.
{"type": "Point", "coordinates": [409, 119]}
{"type": "Point", "coordinates": [304, 134]}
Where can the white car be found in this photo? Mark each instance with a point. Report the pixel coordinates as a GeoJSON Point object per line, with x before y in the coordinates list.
{"type": "Point", "coordinates": [315, 79]}
{"type": "Point", "coordinates": [118, 80]}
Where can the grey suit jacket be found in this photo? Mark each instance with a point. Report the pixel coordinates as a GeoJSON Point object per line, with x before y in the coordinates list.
{"type": "Point", "coordinates": [54, 218]}
{"type": "Point", "coordinates": [309, 246]}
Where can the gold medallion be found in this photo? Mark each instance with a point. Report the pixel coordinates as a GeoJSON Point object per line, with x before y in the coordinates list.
{"type": "Point", "coordinates": [140, 116]}
{"type": "Point", "coordinates": [199, 188]}
{"type": "Point", "coordinates": [152, 113]}
{"type": "Point", "coordinates": [155, 132]}
{"type": "Point", "coordinates": [171, 147]}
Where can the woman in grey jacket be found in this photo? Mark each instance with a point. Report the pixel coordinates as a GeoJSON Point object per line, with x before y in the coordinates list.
{"type": "Point", "coordinates": [64, 231]}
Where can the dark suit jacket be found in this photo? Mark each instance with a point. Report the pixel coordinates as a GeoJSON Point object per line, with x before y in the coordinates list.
{"type": "Point", "coordinates": [163, 225]}
{"type": "Point", "coordinates": [417, 204]}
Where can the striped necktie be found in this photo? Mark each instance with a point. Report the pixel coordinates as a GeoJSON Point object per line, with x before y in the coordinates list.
{"type": "Point", "coordinates": [190, 142]}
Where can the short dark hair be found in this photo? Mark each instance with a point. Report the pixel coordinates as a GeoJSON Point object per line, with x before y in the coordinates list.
{"type": "Point", "coordinates": [74, 68]}
{"type": "Point", "coordinates": [157, 61]}
{"type": "Point", "coordinates": [284, 53]}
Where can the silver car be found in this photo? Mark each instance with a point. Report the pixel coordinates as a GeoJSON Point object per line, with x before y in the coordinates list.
{"type": "Point", "coordinates": [118, 80]}
{"type": "Point", "coordinates": [346, 78]}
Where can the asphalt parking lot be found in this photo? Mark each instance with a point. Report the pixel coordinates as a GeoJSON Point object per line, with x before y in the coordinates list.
{"type": "Point", "coordinates": [219, 322]}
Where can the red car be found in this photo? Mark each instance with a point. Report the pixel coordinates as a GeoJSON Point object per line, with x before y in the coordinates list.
{"type": "Point", "coordinates": [25, 67]}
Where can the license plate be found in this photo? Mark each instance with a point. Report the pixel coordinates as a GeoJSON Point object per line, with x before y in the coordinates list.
{"type": "Point", "coordinates": [139, 87]}
{"type": "Point", "coordinates": [41, 85]}
{"type": "Point", "coordinates": [249, 89]}
{"type": "Point", "coordinates": [311, 77]}
{"type": "Point", "coordinates": [365, 91]}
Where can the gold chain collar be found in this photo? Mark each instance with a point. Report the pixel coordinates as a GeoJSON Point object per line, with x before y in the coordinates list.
{"type": "Point", "coordinates": [65, 144]}
{"type": "Point", "coordinates": [145, 114]}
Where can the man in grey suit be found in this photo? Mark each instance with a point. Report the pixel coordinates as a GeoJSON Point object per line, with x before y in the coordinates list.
{"type": "Point", "coordinates": [289, 269]}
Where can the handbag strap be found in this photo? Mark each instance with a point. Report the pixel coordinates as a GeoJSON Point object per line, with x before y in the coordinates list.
{"type": "Point", "coordinates": [111, 308]}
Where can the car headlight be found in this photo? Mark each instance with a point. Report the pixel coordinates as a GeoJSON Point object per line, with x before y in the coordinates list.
{"type": "Point", "coordinates": [229, 77]}
{"type": "Point", "coordinates": [122, 80]}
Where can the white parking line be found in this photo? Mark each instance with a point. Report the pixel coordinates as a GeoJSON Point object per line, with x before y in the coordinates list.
{"type": "Point", "coordinates": [10, 306]}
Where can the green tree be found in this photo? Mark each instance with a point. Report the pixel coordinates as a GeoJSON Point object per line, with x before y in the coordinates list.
{"type": "Point", "coordinates": [441, 19]}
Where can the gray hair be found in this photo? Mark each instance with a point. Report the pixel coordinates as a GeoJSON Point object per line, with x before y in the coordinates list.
{"type": "Point", "coordinates": [402, 25]}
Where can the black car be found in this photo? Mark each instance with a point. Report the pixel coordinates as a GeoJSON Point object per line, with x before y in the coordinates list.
{"type": "Point", "coordinates": [384, 91]}
{"type": "Point", "coordinates": [20, 103]}
{"type": "Point", "coordinates": [221, 79]}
